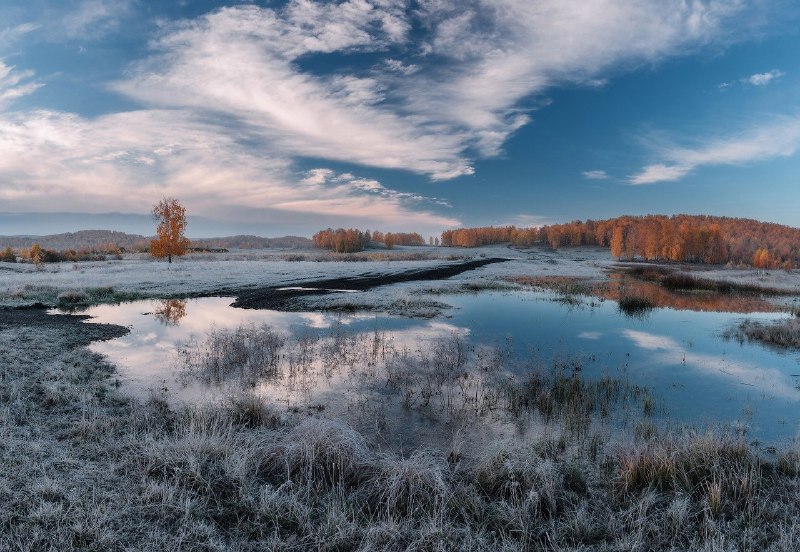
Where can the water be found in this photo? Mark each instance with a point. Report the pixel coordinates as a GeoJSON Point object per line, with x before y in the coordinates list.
{"type": "Point", "coordinates": [697, 376]}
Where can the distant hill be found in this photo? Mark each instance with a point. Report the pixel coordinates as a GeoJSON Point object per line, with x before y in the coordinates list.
{"type": "Point", "coordinates": [83, 239]}
{"type": "Point", "coordinates": [252, 242]}
{"type": "Point", "coordinates": [101, 240]}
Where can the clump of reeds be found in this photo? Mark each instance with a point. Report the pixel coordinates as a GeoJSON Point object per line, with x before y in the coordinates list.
{"type": "Point", "coordinates": [635, 306]}
{"type": "Point", "coordinates": [784, 333]}
{"type": "Point", "coordinates": [248, 352]}
{"type": "Point", "coordinates": [562, 393]}
{"type": "Point", "coordinates": [719, 471]}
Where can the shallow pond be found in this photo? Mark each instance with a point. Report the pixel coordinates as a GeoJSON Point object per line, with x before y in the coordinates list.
{"type": "Point", "coordinates": [697, 376]}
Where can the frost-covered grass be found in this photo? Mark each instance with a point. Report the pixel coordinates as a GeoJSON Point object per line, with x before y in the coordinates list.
{"type": "Point", "coordinates": [84, 468]}
{"type": "Point", "coordinates": [137, 276]}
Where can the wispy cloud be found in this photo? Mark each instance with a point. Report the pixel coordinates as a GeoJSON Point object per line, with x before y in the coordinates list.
{"type": "Point", "coordinates": [10, 35]}
{"type": "Point", "coordinates": [95, 18]}
{"type": "Point", "coordinates": [778, 138]}
{"type": "Point", "coordinates": [757, 79]}
{"type": "Point", "coordinates": [502, 52]}
{"type": "Point", "coordinates": [228, 102]}
{"type": "Point", "coordinates": [763, 79]}
{"type": "Point", "coordinates": [15, 84]}
{"type": "Point", "coordinates": [241, 62]}
{"type": "Point", "coordinates": [461, 98]}
{"type": "Point", "coordinates": [529, 221]}
{"type": "Point", "coordinates": [60, 161]}
{"type": "Point", "coordinates": [595, 175]}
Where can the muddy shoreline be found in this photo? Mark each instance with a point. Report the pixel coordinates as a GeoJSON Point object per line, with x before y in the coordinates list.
{"type": "Point", "coordinates": [70, 326]}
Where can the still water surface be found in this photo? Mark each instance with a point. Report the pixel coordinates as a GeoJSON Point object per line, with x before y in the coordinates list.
{"type": "Point", "coordinates": [697, 376]}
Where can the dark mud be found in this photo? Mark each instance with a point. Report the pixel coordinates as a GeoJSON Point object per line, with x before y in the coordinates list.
{"type": "Point", "coordinates": [285, 298]}
{"type": "Point", "coordinates": [76, 333]}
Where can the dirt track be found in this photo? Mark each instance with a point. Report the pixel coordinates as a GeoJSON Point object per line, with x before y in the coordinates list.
{"type": "Point", "coordinates": [281, 298]}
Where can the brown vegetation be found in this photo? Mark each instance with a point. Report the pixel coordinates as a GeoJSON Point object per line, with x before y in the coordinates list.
{"type": "Point", "coordinates": [685, 238]}
{"type": "Point", "coordinates": [653, 288]}
{"type": "Point", "coordinates": [351, 240]}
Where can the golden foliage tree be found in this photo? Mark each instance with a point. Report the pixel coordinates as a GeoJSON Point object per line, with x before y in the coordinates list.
{"type": "Point", "coordinates": [617, 242]}
{"type": "Point", "coordinates": [8, 256]}
{"type": "Point", "coordinates": [36, 255]}
{"type": "Point", "coordinates": [171, 217]}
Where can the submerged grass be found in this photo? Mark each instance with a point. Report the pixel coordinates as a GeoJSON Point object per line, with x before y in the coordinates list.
{"type": "Point", "coordinates": [783, 334]}
{"type": "Point", "coordinates": [84, 468]}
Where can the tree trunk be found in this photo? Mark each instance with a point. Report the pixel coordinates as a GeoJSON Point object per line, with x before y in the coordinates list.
{"type": "Point", "coordinates": [169, 258]}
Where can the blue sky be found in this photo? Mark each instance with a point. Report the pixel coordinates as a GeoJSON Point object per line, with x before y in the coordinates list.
{"type": "Point", "coordinates": [287, 117]}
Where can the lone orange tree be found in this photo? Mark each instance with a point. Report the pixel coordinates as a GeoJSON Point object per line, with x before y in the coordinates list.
{"type": "Point", "coordinates": [171, 217]}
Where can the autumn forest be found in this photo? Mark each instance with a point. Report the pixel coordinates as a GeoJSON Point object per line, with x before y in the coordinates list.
{"type": "Point", "coordinates": [684, 238]}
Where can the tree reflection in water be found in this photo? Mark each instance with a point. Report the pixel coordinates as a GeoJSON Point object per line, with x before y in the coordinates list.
{"type": "Point", "coordinates": [170, 311]}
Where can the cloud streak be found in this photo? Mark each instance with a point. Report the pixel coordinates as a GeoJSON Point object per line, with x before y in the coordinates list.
{"type": "Point", "coordinates": [462, 96]}
{"type": "Point", "coordinates": [241, 62]}
{"type": "Point", "coordinates": [15, 84]}
{"type": "Point", "coordinates": [595, 175]}
{"type": "Point", "coordinates": [779, 138]}
{"type": "Point", "coordinates": [763, 79]}
{"type": "Point", "coordinates": [59, 161]}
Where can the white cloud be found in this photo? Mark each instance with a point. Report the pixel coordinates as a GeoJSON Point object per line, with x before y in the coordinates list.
{"type": "Point", "coordinates": [595, 175]}
{"type": "Point", "coordinates": [15, 84]}
{"type": "Point", "coordinates": [400, 67]}
{"type": "Point", "coordinates": [778, 138]}
{"type": "Point", "coordinates": [503, 51]}
{"type": "Point", "coordinates": [229, 102]}
{"type": "Point", "coordinates": [463, 96]}
{"type": "Point", "coordinates": [10, 35]}
{"type": "Point", "coordinates": [528, 221]}
{"type": "Point", "coordinates": [94, 18]}
{"type": "Point", "coordinates": [60, 161]}
{"type": "Point", "coordinates": [660, 173]}
{"type": "Point", "coordinates": [763, 79]}
{"type": "Point", "coordinates": [241, 62]}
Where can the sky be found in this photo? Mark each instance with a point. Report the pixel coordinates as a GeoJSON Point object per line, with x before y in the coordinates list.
{"type": "Point", "coordinates": [275, 117]}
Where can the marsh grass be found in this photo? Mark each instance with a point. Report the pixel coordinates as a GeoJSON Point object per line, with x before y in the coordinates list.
{"type": "Point", "coordinates": [682, 281]}
{"type": "Point", "coordinates": [87, 469]}
{"type": "Point", "coordinates": [784, 334]}
{"type": "Point", "coordinates": [635, 306]}
{"type": "Point", "coordinates": [443, 379]}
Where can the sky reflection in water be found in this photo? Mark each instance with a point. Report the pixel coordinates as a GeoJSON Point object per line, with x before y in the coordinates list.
{"type": "Point", "coordinates": [700, 377]}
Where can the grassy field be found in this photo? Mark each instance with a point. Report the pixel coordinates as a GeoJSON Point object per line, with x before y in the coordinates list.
{"type": "Point", "coordinates": [85, 468]}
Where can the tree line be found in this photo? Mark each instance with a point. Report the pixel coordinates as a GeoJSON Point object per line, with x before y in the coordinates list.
{"type": "Point", "coordinates": [684, 238]}
{"type": "Point", "coordinates": [37, 254]}
{"type": "Point", "coordinates": [350, 240]}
